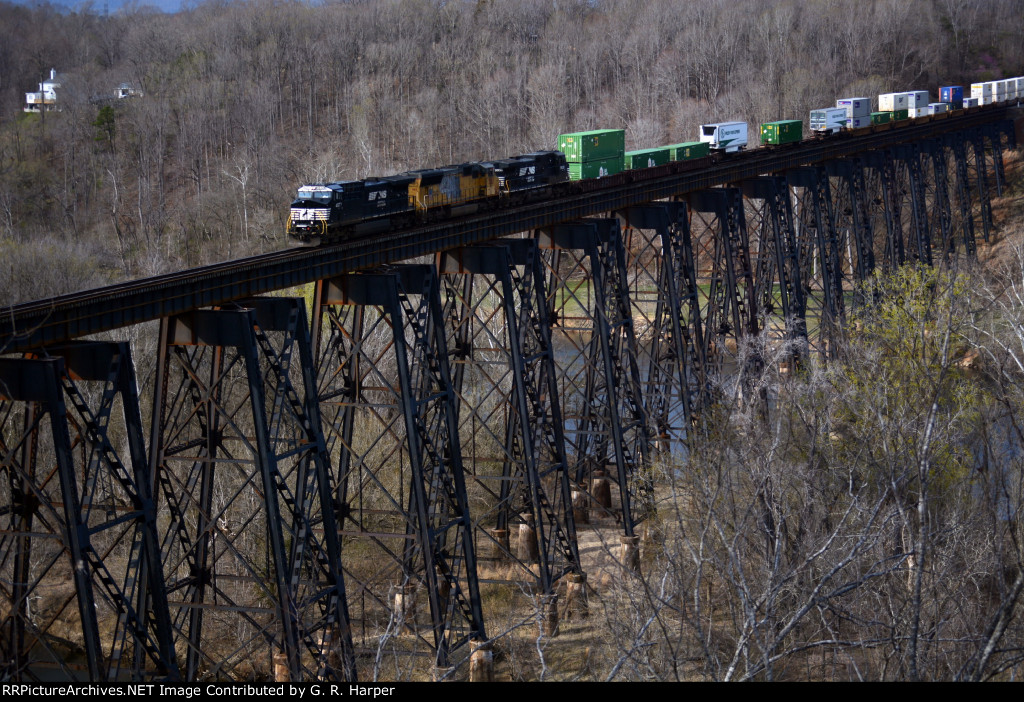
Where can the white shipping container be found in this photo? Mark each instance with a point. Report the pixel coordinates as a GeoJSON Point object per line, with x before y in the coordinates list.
{"type": "Point", "coordinates": [855, 107]}
{"type": "Point", "coordinates": [858, 122]}
{"type": "Point", "coordinates": [919, 111]}
{"type": "Point", "coordinates": [725, 136]}
{"type": "Point", "coordinates": [982, 92]}
{"type": "Point", "coordinates": [998, 90]}
{"type": "Point", "coordinates": [971, 102]}
{"type": "Point", "coordinates": [917, 98]}
{"type": "Point", "coordinates": [890, 102]}
{"type": "Point", "coordinates": [829, 119]}
{"type": "Point", "coordinates": [937, 108]}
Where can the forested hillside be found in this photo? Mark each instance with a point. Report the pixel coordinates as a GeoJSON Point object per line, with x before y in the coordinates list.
{"type": "Point", "coordinates": [242, 101]}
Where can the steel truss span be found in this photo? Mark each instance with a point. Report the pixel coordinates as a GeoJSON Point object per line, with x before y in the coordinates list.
{"type": "Point", "coordinates": [329, 490]}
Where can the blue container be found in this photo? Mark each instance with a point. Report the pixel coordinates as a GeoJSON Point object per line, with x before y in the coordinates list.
{"type": "Point", "coordinates": [951, 93]}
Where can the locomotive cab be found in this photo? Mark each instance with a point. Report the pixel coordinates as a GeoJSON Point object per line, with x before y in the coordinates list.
{"type": "Point", "coordinates": [348, 207]}
{"type": "Point", "coordinates": [312, 211]}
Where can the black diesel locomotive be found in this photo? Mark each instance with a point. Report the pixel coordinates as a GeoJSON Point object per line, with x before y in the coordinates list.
{"type": "Point", "coordinates": [336, 211]}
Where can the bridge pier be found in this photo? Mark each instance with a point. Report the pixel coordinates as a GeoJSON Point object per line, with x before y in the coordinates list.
{"type": "Point", "coordinates": [386, 393]}
{"type": "Point", "coordinates": [977, 138]}
{"type": "Point", "coordinates": [942, 211]}
{"type": "Point", "coordinates": [665, 298]}
{"type": "Point", "coordinates": [503, 376]}
{"type": "Point", "coordinates": [97, 504]}
{"type": "Point", "coordinates": [248, 535]}
{"type": "Point", "coordinates": [885, 203]}
{"type": "Point", "coordinates": [601, 394]}
{"type": "Point", "coordinates": [957, 144]}
{"type": "Point", "coordinates": [852, 224]}
{"type": "Point", "coordinates": [911, 176]}
{"type": "Point", "coordinates": [821, 270]}
{"type": "Point", "coordinates": [778, 260]}
{"type": "Point", "coordinates": [719, 230]}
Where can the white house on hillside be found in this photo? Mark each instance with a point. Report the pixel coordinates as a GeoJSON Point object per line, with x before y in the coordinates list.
{"type": "Point", "coordinates": [46, 98]}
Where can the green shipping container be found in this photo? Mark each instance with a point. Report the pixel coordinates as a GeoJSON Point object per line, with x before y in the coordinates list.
{"type": "Point", "coordinates": [688, 150]}
{"type": "Point", "coordinates": [785, 131]}
{"type": "Point", "coordinates": [596, 169]}
{"type": "Point", "coordinates": [881, 117]}
{"type": "Point", "coordinates": [897, 115]}
{"type": "Point", "coordinates": [596, 145]}
{"type": "Point", "coordinates": [646, 158]}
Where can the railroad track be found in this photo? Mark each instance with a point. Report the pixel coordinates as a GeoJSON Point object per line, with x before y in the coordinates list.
{"type": "Point", "coordinates": [34, 325]}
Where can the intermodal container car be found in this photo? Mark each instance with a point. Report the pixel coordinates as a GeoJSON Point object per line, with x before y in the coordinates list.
{"type": "Point", "coordinates": [785, 131]}
{"type": "Point", "coordinates": [830, 119]}
{"type": "Point", "coordinates": [918, 99]}
{"type": "Point", "coordinates": [725, 136]}
{"type": "Point", "coordinates": [595, 145]}
{"type": "Point", "coordinates": [953, 94]}
{"type": "Point", "coordinates": [982, 92]}
{"type": "Point", "coordinates": [688, 150]}
{"type": "Point", "coordinates": [596, 169]}
{"type": "Point", "coordinates": [890, 102]}
{"type": "Point", "coordinates": [647, 158]}
{"type": "Point", "coordinates": [998, 90]}
{"type": "Point", "coordinates": [855, 107]}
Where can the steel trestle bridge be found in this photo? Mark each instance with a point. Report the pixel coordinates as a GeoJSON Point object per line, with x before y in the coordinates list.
{"type": "Point", "coordinates": [322, 483]}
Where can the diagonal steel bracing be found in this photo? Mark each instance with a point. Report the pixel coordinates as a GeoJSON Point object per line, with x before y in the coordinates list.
{"type": "Point", "coordinates": [665, 300]}
{"type": "Point", "coordinates": [600, 390]}
{"type": "Point", "coordinates": [68, 489]}
{"type": "Point", "coordinates": [250, 553]}
{"type": "Point", "coordinates": [941, 208]}
{"type": "Point", "coordinates": [911, 175]}
{"type": "Point", "coordinates": [506, 394]}
{"type": "Point", "coordinates": [957, 144]}
{"type": "Point", "coordinates": [980, 168]}
{"type": "Point", "coordinates": [303, 465]}
{"type": "Point", "coordinates": [777, 283]}
{"type": "Point", "coordinates": [389, 409]}
{"type": "Point", "coordinates": [851, 219]}
{"type": "Point", "coordinates": [719, 230]}
{"type": "Point", "coordinates": [821, 272]}
{"type": "Point", "coordinates": [886, 203]}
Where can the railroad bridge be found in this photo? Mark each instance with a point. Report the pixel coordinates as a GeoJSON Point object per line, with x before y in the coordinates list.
{"type": "Point", "coordinates": [323, 479]}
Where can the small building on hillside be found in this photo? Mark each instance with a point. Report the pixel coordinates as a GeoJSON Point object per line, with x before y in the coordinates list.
{"type": "Point", "coordinates": [46, 98]}
{"type": "Point", "coordinates": [125, 90]}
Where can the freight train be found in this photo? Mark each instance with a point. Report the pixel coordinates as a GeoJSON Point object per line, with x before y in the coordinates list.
{"type": "Point", "coordinates": [355, 208]}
